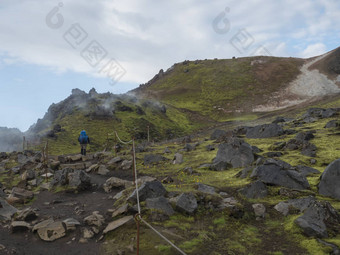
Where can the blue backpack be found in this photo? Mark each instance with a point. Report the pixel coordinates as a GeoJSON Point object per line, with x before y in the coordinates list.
{"type": "Point", "coordinates": [83, 138]}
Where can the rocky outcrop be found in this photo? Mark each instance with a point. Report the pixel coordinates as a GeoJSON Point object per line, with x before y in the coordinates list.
{"type": "Point", "coordinates": [255, 190]}
{"type": "Point", "coordinates": [151, 159]}
{"type": "Point", "coordinates": [235, 153]}
{"type": "Point", "coordinates": [319, 219]}
{"type": "Point", "coordinates": [6, 210]}
{"type": "Point", "coordinates": [265, 131]}
{"type": "Point", "coordinates": [161, 204]}
{"type": "Point", "coordinates": [187, 203]}
{"type": "Point", "coordinates": [330, 180]}
{"type": "Point", "coordinates": [151, 189]}
{"type": "Point", "coordinates": [277, 172]}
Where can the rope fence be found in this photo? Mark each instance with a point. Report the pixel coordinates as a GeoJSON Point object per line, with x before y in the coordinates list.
{"type": "Point", "coordinates": [138, 216]}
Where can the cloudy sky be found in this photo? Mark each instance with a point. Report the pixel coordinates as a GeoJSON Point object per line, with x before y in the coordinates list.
{"type": "Point", "coordinates": [49, 47]}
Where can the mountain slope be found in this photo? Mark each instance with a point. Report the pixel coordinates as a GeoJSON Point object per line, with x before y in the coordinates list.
{"type": "Point", "coordinates": [222, 88]}
{"type": "Point", "coordinates": [218, 87]}
{"type": "Point", "coordinates": [102, 114]}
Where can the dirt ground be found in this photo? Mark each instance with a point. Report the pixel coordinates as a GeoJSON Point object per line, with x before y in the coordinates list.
{"type": "Point", "coordinates": [61, 206]}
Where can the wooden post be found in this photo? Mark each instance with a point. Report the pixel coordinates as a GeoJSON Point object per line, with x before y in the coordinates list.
{"type": "Point", "coordinates": [115, 142]}
{"type": "Point", "coordinates": [133, 161]}
{"type": "Point", "coordinates": [46, 159]}
{"type": "Point", "coordinates": [23, 143]}
{"type": "Point", "coordinates": [148, 133]}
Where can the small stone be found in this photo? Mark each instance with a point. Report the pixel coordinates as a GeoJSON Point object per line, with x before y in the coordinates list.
{"type": "Point", "coordinates": [87, 233]}
{"type": "Point", "coordinates": [83, 240]}
{"type": "Point", "coordinates": [116, 224]}
{"type": "Point", "coordinates": [259, 210]}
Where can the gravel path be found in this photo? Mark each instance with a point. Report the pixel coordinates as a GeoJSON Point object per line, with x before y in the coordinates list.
{"type": "Point", "coordinates": [312, 83]}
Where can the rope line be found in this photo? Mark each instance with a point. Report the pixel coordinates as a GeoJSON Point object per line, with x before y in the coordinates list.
{"type": "Point", "coordinates": [138, 204]}
{"type": "Point", "coordinates": [166, 239]}
{"type": "Point", "coordinates": [121, 140]}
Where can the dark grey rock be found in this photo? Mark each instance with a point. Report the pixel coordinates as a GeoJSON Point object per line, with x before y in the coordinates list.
{"type": "Point", "coordinates": [275, 172]}
{"type": "Point", "coordinates": [305, 136]}
{"type": "Point", "coordinates": [245, 172]}
{"type": "Point", "coordinates": [148, 190]}
{"type": "Point", "coordinates": [219, 166]}
{"type": "Point", "coordinates": [6, 210]}
{"type": "Point", "coordinates": [79, 180]}
{"type": "Point", "coordinates": [242, 130]}
{"type": "Point", "coordinates": [60, 177]}
{"type": "Point", "coordinates": [330, 180]}
{"type": "Point", "coordinates": [167, 150]}
{"type": "Point", "coordinates": [280, 119]}
{"type": "Point", "coordinates": [332, 124]}
{"type": "Point", "coordinates": [205, 188]}
{"type": "Point", "coordinates": [2, 193]}
{"type": "Point", "coordinates": [187, 203]}
{"type": "Point", "coordinates": [151, 159]}
{"type": "Point", "coordinates": [319, 219]}
{"type": "Point", "coordinates": [256, 149]}
{"type": "Point", "coordinates": [255, 190]}
{"type": "Point", "coordinates": [336, 250]}
{"type": "Point", "coordinates": [306, 171]}
{"type": "Point", "coordinates": [188, 147]}
{"type": "Point", "coordinates": [273, 154]}
{"type": "Point", "coordinates": [178, 159]}
{"type": "Point", "coordinates": [209, 147]}
{"type": "Point", "coordinates": [160, 203]}
{"type": "Point", "coordinates": [296, 205]}
{"type": "Point", "coordinates": [265, 131]}
{"type": "Point", "coordinates": [236, 153]}
{"type": "Point", "coordinates": [217, 134]}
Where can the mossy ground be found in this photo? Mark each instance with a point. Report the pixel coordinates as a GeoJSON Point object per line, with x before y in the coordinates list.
{"type": "Point", "coordinates": [214, 87]}
{"type": "Point", "coordinates": [212, 232]}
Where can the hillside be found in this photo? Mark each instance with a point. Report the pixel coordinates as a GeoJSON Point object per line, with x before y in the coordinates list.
{"type": "Point", "coordinates": [102, 114]}
{"type": "Point", "coordinates": [261, 189]}
{"type": "Point", "coordinates": [222, 89]}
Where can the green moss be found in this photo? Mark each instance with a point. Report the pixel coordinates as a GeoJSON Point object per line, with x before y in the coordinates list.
{"type": "Point", "coordinates": [214, 87]}
{"type": "Point", "coordinates": [164, 248]}
{"type": "Point", "coordinates": [191, 245]}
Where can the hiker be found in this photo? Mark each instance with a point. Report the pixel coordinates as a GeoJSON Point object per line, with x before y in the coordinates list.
{"type": "Point", "coordinates": [83, 140]}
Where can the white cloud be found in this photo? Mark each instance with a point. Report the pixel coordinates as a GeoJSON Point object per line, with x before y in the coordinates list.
{"type": "Point", "coordinates": [145, 36]}
{"type": "Point", "coordinates": [314, 50]}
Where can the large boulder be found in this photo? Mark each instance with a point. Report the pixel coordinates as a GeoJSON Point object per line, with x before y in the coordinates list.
{"type": "Point", "coordinates": [332, 124]}
{"type": "Point", "coordinates": [277, 172]}
{"type": "Point", "coordinates": [79, 180]}
{"type": "Point", "coordinates": [255, 190]}
{"type": "Point", "coordinates": [299, 204]}
{"type": "Point", "coordinates": [52, 231]}
{"type": "Point", "coordinates": [330, 180]}
{"type": "Point", "coordinates": [236, 153]}
{"type": "Point", "coordinates": [115, 183]}
{"type": "Point", "coordinates": [217, 134]}
{"type": "Point", "coordinates": [306, 170]}
{"type": "Point", "coordinates": [187, 203]}
{"type": "Point", "coordinates": [2, 193]}
{"type": "Point", "coordinates": [320, 113]}
{"type": "Point", "coordinates": [160, 203]}
{"type": "Point", "coordinates": [265, 131]}
{"type": "Point", "coordinates": [6, 210]}
{"type": "Point", "coordinates": [22, 193]}
{"type": "Point", "coordinates": [151, 189]}
{"type": "Point", "coordinates": [151, 159]}
{"type": "Point", "coordinates": [319, 219]}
